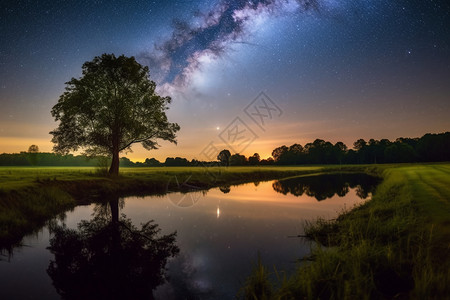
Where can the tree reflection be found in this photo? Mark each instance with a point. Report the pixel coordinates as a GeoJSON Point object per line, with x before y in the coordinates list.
{"type": "Point", "coordinates": [225, 189]}
{"type": "Point", "coordinates": [326, 186]}
{"type": "Point", "coordinates": [109, 258]}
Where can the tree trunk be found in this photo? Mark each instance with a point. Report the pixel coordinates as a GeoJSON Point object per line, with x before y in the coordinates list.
{"type": "Point", "coordinates": [114, 169]}
{"type": "Point", "coordinates": [114, 205]}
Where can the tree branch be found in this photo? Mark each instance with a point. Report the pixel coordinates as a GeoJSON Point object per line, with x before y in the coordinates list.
{"type": "Point", "coordinates": [137, 141]}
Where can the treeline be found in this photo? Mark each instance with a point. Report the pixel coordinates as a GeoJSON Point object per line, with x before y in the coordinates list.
{"type": "Point", "coordinates": [46, 159]}
{"type": "Point", "coordinates": [428, 148]}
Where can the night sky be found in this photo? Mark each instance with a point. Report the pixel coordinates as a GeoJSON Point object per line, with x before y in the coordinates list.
{"type": "Point", "coordinates": [335, 70]}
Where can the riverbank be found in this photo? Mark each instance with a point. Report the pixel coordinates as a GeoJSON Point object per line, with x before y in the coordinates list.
{"type": "Point", "coordinates": [393, 246]}
{"type": "Point", "coordinates": [31, 196]}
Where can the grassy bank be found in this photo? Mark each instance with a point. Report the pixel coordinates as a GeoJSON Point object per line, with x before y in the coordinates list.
{"type": "Point", "coordinates": [29, 196]}
{"type": "Point", "coordinates": [394, 246]}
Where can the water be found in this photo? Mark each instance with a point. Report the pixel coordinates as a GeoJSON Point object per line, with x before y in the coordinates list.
{"type": "Point", "coordinates": [219, 236]}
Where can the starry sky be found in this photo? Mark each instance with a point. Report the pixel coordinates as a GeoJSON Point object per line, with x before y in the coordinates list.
{"type": "Point", "coordinates": [244, 75]}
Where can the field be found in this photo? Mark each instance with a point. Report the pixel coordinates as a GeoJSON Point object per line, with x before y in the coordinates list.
{"type": "Point", "coordinates": [394, 246]}
{"type": "Point", "coordinates": [14, 178]}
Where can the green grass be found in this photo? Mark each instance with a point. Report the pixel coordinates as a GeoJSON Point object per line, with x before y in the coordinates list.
{"type": "Point", "coordinates": [394, 246]}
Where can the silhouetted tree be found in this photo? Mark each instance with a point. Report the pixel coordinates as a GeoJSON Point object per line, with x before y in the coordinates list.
{"type": "Point", "coordinates": [339, 151]}
{"type": "Point", "coordinates": [359, 144]}
{"type": "Point", "coordinates": [267, 162]}
{"type": "Point", "coordinates": [152, 162]}
{"type": "Point", "coordinates": [112, 106]}
{"type": "Point", "coordinates": [360, 147]}
{"type": "Point", "coordinates": [278, 152]}
{"type": "Point", "coordinates": [126, 162]}
{"type": "Point", "coordinates": [237, 160]}
{"type": "Point", "coordinates": [296, 155]}
{"type": "Point", "coordinates": [177, 161]}
{"type": "Point", "coordinates": [33, 151]}
{"type": "Point", "coordinates": [224, 157]}
{"type": "Point", "coordinates": [434, 147]}
{"type": "Point", "coordinates": [254, 159]}
{"type": "Point", "coordinates": [399, 152]}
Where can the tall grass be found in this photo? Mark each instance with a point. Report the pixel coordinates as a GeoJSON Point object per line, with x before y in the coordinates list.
{"type": "Point", "coordinates": [24, 211]}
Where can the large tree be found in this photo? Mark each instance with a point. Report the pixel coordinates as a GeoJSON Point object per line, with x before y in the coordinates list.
{"type": "Point", "coordinates": [112, 106]}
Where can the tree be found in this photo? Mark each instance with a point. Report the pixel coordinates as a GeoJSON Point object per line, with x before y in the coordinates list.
{"type": "Point", "coordinates": [33, 149]}
{"type": "Point", "coordinates": [339, 151]}
{"type": "Point", "coordinates": [254, 159]}
{"type": "Point", "coordinates": [112, 106]}
{"type": "Point", "coordinates": [361, 147]}
{"type": "Point", "coordinates": [237, 160]}
{"type": "Point", "coordinates": [152, 162]}
{"type": "Point", "coordinates": [32, 154]}
{"type": "Point", "coordinates": [278, 152]}
{"type": "Point", "coordinates": [224, 157]}
{"type": "Point", "coordinates": [177, 161]}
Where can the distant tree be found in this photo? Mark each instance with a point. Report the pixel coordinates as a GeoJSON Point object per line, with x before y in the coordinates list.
{"type": "Point", "coordinates": [224, 157]}
{"type": "Point", "coordinates": [296, 148]}
{"type": "Point", "coordinates": [351, 157]}
{"type": "Point", "coordinates": [400, 152]}
{"type": "Point", "coordinates": [267, 162]}
{"type": "Point", "coordinates": [112, 106]}
{"type": "Point", "coordinates": [176, 162]}
{"type": "Point", "coordinates": [320, 152]}
{"type": "Point", "coordinates": [254, 159]}
{"type": "Point", "coordinates": [278, 152]}
{"type": "Point", "coordinates": [237, 160]}
{"type": "Point", "coordinates": [359, 144]}
{"type": "Point", "coordinates": [434, 147]}
{"type": "Point", "coordinates": [152, 162]}
{"type": "Point", "coordinates": [340, 149]}
{"type": "Point", "coordinates": [126, 162]}
{"type": "Point", "coordinates": [33, 151]}
{"type": "Point", "coordinates": [296, 154]}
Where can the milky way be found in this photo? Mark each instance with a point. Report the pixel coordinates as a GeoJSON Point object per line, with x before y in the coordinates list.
{"type": "Point", "coordinates": [212, 33]}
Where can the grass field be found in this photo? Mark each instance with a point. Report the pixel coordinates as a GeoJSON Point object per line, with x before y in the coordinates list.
{"type": "Point", "coordinates": [14, 178]}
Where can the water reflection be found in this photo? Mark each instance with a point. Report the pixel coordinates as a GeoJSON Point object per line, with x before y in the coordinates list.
{"type": "Point", "coordinates": [225, 189]}
{"type": "Point", "coordinates": [326, 186]}
{"type": "Point", "coordinates": [219, 235]}
{"type": "Point", "coordinates": [108, 257]}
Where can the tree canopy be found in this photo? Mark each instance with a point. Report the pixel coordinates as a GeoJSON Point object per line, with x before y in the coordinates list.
{"type": "Point", "coordinates": [112, 106]}
{"type": "Point", "coordinates": [224, 157]}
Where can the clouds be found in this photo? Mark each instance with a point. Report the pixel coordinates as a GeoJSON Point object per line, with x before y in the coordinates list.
{"type": "Point", "coordinates": [209, 35]}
